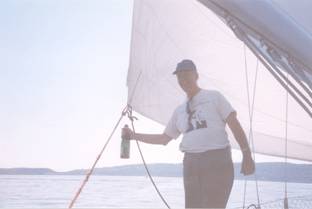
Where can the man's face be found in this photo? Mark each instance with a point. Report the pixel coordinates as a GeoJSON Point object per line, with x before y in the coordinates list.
{"type": "Point", "coordinates": [187, 79]}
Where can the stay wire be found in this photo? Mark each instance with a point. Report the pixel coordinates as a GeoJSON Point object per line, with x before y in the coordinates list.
{"type": "Point", "coordinates": [286, 151]}
{"type": "Point", "coordinates": [128, 111]}
{"type": "Point", "coordinates": [251, 111]}
{"type": "Point", "coordinates": [97, 159]}
{"type": "Point", "coordinates": [131, 117]}
{"type": "Point", "coordinates": [125, 111]}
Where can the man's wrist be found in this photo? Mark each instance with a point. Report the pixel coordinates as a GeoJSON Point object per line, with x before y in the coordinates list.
{"type": "Point", "coordinates": [246, 151]}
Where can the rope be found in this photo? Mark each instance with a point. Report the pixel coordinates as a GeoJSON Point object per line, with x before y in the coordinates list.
{"type": "Point", "coordinates": [244, 196]}
{"type": "Point", "coordinates": [131, 117]}
{"type": "Point", "coordinates": [127, 110]}
{"type": "Point", "coordinates": [97, 159]}
{"type": "Point", "coordinates": [302, 201]}
{"type": "Point", "coordinates": [252, 206]}
{"type": "Point", "coordinates": [251, 111]}
{"type": "Point", "coordinates": [286, 152]}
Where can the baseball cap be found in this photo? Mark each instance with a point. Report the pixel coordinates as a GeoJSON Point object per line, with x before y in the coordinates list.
{"type": "Point", "coordinates": [185, 65]}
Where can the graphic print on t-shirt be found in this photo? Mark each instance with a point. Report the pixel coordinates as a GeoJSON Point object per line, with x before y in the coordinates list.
{"type": "Point", "coordinates": [196, 119]}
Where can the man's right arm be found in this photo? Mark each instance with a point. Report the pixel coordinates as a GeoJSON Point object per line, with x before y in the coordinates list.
{"type": "Point", "coordinates": [169, 133]}
{"type": "Point", "coordinates": [152, 138]}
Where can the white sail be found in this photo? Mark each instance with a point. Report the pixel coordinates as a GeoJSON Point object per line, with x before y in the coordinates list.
{"type": "Point", "coordinates": [167, 31]}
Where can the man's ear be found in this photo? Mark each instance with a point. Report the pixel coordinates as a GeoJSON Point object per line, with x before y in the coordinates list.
{"type": "Point", "coordinates": [197, 76]}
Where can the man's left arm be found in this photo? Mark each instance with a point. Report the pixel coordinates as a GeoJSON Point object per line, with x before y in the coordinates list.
{"type": "Point", "coordinates": [248, 165]}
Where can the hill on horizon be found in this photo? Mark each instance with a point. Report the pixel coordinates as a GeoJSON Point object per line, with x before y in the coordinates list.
{"type": "Point", "coordinates": [299, 173]}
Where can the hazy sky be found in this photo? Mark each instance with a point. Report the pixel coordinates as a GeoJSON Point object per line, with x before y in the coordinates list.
{"type": "Point", "coordinates": [63, 67]}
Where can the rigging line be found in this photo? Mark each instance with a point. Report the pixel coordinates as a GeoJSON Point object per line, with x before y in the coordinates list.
{"type": "Point", "coordinates": [251, 114]}
{"type": "Point", "coordinates": [303, 75]}
{"type": "Point", "coordinates": [286, 143]}
{"type": "Point", "coordinates": [144, 163]}
{"type": "Point", "coordinates": [245, 180]}
{"type": "Point", "coordinates": [276, 57]}
{"type": "Point", "coordinates": [128, 110]}
{"type": "Point", "coordinates": [280, 199]}
{"type": "Point", "coordinates": [266, 61]}
{"type": "Point", "coordinates": [271, 67]}
{"type": "Point", "coordinates": [134, 89]}
{"type": "Point", "coordinates": [252, 133]}
{"type": "Point", "coordinates": [292, 69]}
{"type": "Point", "coordinates": [97, 159]}
{"type": "Point", "coordinates": [244, 196]}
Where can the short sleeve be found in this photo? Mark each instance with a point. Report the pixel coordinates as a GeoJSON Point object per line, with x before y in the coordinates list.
{"type": "Point", "coordinates": [171, 129]}
{"type": "Point", "coordinates": [224, 107]}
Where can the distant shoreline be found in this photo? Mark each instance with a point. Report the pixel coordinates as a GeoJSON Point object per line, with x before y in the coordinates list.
{"type": "Point", "coordinates": [297, 173]}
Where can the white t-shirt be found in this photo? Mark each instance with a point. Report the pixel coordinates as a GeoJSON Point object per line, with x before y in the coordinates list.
{"type": "Point", "coordinates": [205, 128]}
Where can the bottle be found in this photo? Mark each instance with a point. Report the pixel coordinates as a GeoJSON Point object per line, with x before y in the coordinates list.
{"type": "Point", "coordinates": [125, 145]}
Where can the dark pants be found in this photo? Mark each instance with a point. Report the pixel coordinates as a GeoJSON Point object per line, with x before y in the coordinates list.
{"type": "Point", "coordinates": [208, 178]}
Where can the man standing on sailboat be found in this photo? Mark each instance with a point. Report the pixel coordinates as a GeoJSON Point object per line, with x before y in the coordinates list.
{"type": "Point", "coordinates": [208, 171]}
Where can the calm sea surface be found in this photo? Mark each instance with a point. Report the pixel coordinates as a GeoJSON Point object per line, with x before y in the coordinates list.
{"type": "Point", "coordinates": [37, 191]}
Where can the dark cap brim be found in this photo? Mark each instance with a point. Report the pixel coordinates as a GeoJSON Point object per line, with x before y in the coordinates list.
{"type": "Point", "coordinates": [180, 70]}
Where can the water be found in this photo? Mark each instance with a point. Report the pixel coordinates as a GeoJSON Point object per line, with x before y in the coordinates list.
{"type": "Point", "coordinates": [39, 191]}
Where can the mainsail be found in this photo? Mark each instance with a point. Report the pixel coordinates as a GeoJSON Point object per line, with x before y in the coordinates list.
{"type": "Point", "coordinates": [222, 38]}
